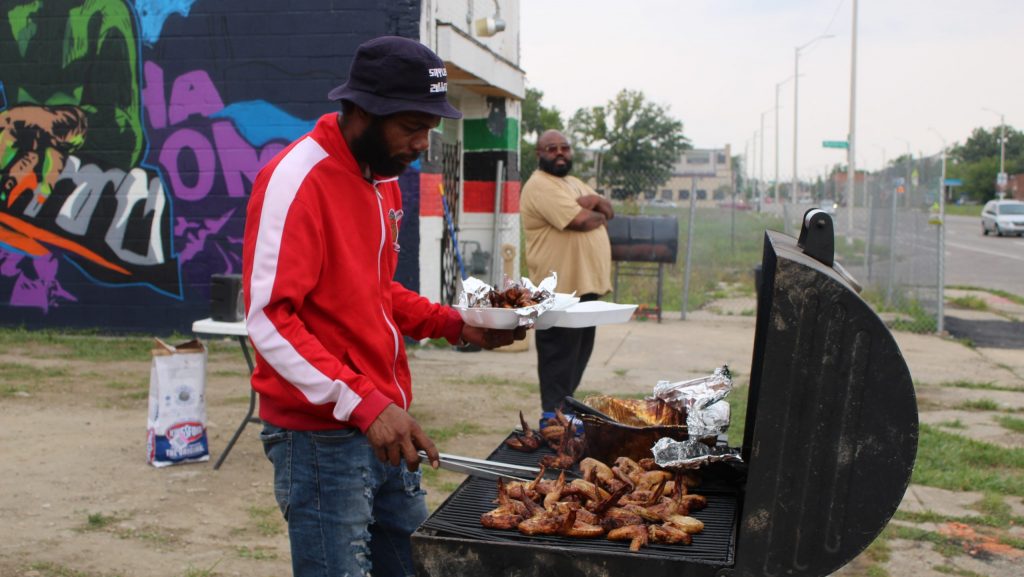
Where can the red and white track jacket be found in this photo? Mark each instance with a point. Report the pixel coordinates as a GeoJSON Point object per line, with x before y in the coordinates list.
{"type": "Point", "coordinates": [323, 313]}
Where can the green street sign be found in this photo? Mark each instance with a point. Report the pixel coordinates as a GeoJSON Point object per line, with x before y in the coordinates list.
{"type": "Point", "coordinates": [835, 144]}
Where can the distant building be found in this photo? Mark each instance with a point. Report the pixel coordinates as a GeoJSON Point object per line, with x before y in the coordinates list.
{"type": "Point", "coordinates": [836, 185]}
{"type": "Point", "coordinates": [714, 180]}
{"type": "Point", "coordinates": [1015, 186]}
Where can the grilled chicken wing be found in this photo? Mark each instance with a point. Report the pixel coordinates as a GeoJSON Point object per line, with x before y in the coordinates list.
{"type": "Point", "coordinates": [637, 536]}
{"type": "Point", "coordinates": [667, 535]}
{"type": "Point", "coordinates": [505, 516]}
{"type": "Point", "coordinates": [688, 524]}
{"type": "Point", "coordinates": [526, 441]}
{"type": "Point", "coordinates": [544, 524]}
{"type": "Point", "coordinates": [618, 517]}
{"type": "Point", "coordinates": [593, 470]}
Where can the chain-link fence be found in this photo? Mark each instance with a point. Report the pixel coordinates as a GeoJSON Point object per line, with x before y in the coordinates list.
{"type": "Point", "coordinates": [888, 239]}
{"type": "Point", "coordinates": [727, 243]}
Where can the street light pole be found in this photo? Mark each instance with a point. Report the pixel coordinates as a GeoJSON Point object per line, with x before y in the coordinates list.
{"type": "Point", "coordinates": [1002, 145]}
{"type": "Point", "coordinates": [776, 181]}
{"type": "Point", "coordinates": [851, 157]}
{"type": "Point", "coordinates": [940, 324]}
{"type": "Point", "coordinates": [753, 174]}
{"type": "Point", "coordinates": [796, 109]}
{"type": "Point", "coordinates": [762, 146]}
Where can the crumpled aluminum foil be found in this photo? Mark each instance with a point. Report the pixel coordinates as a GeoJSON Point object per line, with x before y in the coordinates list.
{"type": "Point", "coordinates": [707, 415]}
{"type": "Point", "coordinates": [701, 399]}
{"type": "Point", "coordinates": [474, 294]}
{"type": "Point", "coordinates": [691, 454]}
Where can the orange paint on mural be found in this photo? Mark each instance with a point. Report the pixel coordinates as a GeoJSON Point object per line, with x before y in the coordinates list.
{"type": "Point", "coordinates": [47, 237]}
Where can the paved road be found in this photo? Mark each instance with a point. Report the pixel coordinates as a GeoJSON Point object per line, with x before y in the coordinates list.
{"type": "Point", "coordinates": [982, 261]}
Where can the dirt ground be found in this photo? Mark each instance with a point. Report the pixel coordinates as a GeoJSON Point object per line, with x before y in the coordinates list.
{"type": "Point", "coordinates": [78, 499]}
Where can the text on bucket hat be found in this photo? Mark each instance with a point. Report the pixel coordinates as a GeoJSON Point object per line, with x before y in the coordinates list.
{"type": "Point", "coordinates": [391, 74]}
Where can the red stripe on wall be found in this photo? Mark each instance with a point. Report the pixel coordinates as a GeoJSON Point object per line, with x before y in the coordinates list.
{"type": "Point", "coordinates": [430, 195]}
{"type": "Point", "coordinates": [478, 196]}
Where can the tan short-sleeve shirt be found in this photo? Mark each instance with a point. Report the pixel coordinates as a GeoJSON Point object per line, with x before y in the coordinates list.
{"type": "Point", "coordinates": [583, 260]}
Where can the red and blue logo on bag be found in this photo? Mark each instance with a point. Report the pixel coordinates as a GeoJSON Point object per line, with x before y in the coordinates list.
{"type": "Point", "coordinates": [183, 441]}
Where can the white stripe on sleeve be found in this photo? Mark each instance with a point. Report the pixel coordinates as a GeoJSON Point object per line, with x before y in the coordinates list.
{"type": "Point", "coordinates": [284, 184]}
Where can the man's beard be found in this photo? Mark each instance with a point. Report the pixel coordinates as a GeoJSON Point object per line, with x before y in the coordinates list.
{"type": "Point", "coordinates": [551, 168]}
{"type": "Point", "coordinates": [371, 148]}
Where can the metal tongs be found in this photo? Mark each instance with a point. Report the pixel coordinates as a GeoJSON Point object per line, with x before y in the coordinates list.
{"type": "Point", "coordinates": [484, 469]}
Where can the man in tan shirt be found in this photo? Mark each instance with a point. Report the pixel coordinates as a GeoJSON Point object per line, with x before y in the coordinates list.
{"type": "Point", "coordinates": [564, 220]}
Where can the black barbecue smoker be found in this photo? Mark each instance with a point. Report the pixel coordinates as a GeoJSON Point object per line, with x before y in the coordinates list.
{"type": "Point", "coordinates": [829, 447]}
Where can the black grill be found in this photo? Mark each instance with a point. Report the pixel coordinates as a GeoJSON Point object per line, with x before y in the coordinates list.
{"type": "Point", "coordinates": [459, 516]}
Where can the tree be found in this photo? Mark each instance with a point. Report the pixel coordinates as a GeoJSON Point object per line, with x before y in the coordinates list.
{"type": "Point", "coordinates": [985, 144]}
{"type": "Point", "coordinates": [641, 142]}
{"type": "Point", "coordinates": [536, 119]}
{"type": "Point", "coordinates": [976, 161]}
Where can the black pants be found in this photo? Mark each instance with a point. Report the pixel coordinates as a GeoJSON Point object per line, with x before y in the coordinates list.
{"type": "Point", "coordinates": [562, 356]}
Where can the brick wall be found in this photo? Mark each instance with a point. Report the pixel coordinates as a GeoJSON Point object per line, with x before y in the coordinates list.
{"type": "Point", "coordinates": [151, 125]}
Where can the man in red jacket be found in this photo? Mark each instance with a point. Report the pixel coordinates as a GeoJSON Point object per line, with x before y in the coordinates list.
{"type": "Point", "coordinates": [327, 320]}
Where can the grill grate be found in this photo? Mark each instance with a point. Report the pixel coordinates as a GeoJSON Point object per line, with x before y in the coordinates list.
{"type": "Point", "coordinates": [459, 516]}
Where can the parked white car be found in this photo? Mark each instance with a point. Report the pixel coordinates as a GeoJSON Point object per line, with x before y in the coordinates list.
{"type": "Point", "coordinates": [1003, 217]}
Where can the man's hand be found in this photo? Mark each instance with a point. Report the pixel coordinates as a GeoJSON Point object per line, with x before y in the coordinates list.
{"type": "Point", "coordinates": [395, 435]}
{"type": "Point", "coordinates": [492, 338]}
{"type": "Point", "coordinates": [34, 139]}
{"type": "Point", "coordinates": [597, 203]}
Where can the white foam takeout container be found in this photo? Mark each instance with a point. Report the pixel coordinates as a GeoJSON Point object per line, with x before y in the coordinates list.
{"type": "Point", "coordinates": [567, 312]}
{"type": "Point", "coordinates": [594, 313]}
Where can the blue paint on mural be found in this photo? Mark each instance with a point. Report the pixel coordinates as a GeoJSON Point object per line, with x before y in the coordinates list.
{"type": "Point", "coordinates": [260, 122]}
{"type": "Point", "coordinates": [153, 14]}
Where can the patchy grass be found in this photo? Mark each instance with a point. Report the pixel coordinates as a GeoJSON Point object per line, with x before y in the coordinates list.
{"type": "Point", "coordinates": [970, 302]}
{"type": "Point", "coordinates": [267, 520]}
{"type": "Point", "coordinates": [20, 372]}
{"type": "Point", "coordinates": [1011, 423]}
{"type": "Point", "coordinates": [721, 255]}
{"type": "Point", "coordinates": [54, 570]}
{"type": "Point", "coordinates": [621, 373]}
{"type": "Point", "coordinates": [979, 405]}
{"type": "Point", "coordinates": [81, 345]}
{"type": "Point", "coordinates": [738, 407]}
{"type": "Point", "coordinates": [200, 572]}
{"type": "Point", "coordinates": [950, 570]}
{"type": "Point", "coordinates": [945, 546]}
{"type": "Point", "coordinates": [1001, 293]}
{"type": "Point", "coordinates": [954, 424]}
{"type": "Point", "coordinates": [951, 461]}
{"type": "Point", "coordinates": [913, 316]}
{"type": "Point", "coordinates": [100, 522]}
{"type": "Point", "coordinates": [491, 380]}
{"type": "Point", "coordinates": [438, 481]}
{"type": "Point", "coordinates": [984, 386]}
{"type": "Point", "coordinates": [964, 209]}
{"type": "Point", "coordinates": [256, 553]}
{"type": "Point", "coordinates": [459, 429]}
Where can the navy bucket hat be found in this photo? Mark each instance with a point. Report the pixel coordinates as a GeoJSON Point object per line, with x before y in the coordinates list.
{"type": "Point", "coordinates": [392, 74]}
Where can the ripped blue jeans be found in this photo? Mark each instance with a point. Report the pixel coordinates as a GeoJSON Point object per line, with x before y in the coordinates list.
{"type": "Point", "coordinates": [347, 512]}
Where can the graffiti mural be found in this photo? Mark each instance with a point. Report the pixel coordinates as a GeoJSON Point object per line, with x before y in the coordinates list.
{"type": "Point", "coordinates": [130, 134]}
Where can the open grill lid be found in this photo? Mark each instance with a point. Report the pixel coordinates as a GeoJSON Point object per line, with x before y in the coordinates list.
{"type": "Point", "coordinates": [831, 431]}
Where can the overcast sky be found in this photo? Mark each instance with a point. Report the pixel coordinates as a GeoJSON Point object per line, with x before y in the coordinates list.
{"type": "Point", "coordinates": [921, 64]}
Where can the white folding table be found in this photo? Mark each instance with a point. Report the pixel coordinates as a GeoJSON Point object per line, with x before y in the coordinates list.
{"type": "Point", "coordinates": [208, 326]}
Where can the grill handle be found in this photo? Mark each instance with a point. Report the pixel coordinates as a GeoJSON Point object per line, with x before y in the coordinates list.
{"type": "Point", "coordinates": [817, 239]}
{"type": "Point", "coordinates": [817, 236]}
{"type": "Point", "coordinates": [581, 408]}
